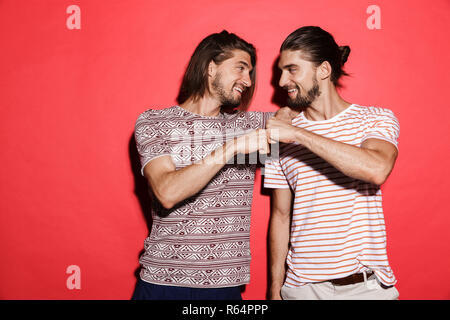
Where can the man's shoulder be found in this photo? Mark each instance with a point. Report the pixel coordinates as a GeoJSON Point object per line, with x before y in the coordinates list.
{"type": "Point", "coordinates": [242, 119]}
{"type": "Point", "coordinates": [244, 114]}
{"type": "Point", "coordinates": [372, 111]}
{"type": "Point", "coordinates": [253, 119]}
{"type": "Point", "coordinates": [153, 114]}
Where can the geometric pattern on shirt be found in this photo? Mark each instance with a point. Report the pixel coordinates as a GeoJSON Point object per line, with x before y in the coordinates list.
{"type": "Point", "coordinates": [204, 240]}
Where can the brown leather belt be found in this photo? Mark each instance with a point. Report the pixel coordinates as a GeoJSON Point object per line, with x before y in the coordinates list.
{"type": "Point", "coordinates": [351, 279]}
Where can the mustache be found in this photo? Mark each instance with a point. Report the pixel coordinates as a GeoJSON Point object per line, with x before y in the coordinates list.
{"type": "Point", "coordinates": [240, 85]}
{"type": "Point", "coordinates": [290, 87]}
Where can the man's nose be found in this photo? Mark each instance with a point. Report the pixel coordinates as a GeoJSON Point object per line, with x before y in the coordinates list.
{"type": "Point", "coordinates": [283, 80]}
{"type": "Point", "coordinates": [247, 81]}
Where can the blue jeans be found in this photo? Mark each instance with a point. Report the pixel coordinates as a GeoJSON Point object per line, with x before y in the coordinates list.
{"type": "Point", "coordinates": [150, 291]}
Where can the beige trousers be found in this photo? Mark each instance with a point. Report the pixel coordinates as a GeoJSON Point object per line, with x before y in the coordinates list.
{"type": "Point", "coordinates": [367, 290]}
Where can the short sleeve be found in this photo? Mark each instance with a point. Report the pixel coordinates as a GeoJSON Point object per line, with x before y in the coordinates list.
{"type": "Point", "coordinates": [383, 125]}
{"type": "Point", "coordinates": [273, 175]}
{"type": "Point", "coordinates": [150, 142]}
{"type": "Point", "coordinates": [258, 119]}
{"type": "Point", "coordinates": [266, 116]}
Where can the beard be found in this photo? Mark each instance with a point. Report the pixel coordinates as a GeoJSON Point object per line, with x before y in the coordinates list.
{"type": "Point", "coordinates": [302, 102]}
{"type": "Point", "coordinates": [227, 100]}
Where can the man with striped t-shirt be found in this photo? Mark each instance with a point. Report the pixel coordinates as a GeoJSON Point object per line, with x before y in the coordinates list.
{"type": "Point", "coordinates": [333, 158]}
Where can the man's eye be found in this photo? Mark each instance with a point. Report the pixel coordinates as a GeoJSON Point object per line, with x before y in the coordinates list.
{"type": "Point", "coordinates": [292, 70]}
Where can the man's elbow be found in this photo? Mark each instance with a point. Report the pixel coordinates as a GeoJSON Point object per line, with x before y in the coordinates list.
{"type": "Point", "coordinates": [283, 215]}
{"type": "Point", "coordinates": [167, 203]}
{"type": "Point", "coordinates": [378, 180]}
{"type": "Point", "coordinates": [165, 197]}
{"type": "Point", "coordinates": [167, 200]}
{"type": "Point", "coordinates": [380, 176]}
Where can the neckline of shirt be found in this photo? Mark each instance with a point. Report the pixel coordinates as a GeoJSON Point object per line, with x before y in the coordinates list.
{"type": "Point", "coordinates": [219, 117]}
{"type": "Point", "coordinates": [337, 116]}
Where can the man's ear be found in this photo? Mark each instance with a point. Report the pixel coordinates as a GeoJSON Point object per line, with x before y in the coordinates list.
{"type": "Point", "coordinates": [324, 70]}
{"type": "Point", "coordinates": [212, 69]}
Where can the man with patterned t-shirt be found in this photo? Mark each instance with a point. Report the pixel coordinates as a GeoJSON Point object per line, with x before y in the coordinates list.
{"type": "Point", "coordinates": [333, 158]}
{"type": "Point", "coordinates": [199, 247]}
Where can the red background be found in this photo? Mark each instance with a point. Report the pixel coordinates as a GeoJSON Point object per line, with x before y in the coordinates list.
{"type": "Point", "coordinates": [70, 98]}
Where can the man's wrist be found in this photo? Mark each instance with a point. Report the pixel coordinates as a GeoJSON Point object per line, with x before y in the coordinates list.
{"type": "Point", "coordinates": [275, 291]}
{"type": "Point", "coordinates": [275, 287]}
{"type": "Point", "coordinates": [299, 134]}
{"type": "Point", "coordinates": [229, 149]}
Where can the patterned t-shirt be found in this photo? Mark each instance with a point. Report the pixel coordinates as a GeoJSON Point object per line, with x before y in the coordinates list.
{"type": "Point", "coordinates": [337, 225]}
{"type": "Point", "coordinates": [204, 241]}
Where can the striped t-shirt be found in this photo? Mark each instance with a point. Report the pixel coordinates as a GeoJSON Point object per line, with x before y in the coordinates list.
{"type": "Point", "coordinates": [204, 241]}
{"type": "Point", "coordinates": [337, 224]}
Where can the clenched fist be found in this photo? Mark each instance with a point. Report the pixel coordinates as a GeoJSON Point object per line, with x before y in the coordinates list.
{"type": "Point", "coordinates": [253, 141]}
{"type": "Point", "coordinates": [280, 130]}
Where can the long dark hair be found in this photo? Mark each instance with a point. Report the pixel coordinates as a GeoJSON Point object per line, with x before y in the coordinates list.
{"type": "Point", "coordinates": [318, 46]}
{"type": "Point", "coordinates": [216, 47]}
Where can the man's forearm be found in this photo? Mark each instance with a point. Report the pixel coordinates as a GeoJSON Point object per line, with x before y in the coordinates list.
{"type": "Point", "coordinates": [278, 244]}
{"type": "Point", "coordinates": [181, 184]}
{"type": "Point", "coordinates": [356, 162]}
{"type": "Point", "coordinates": [172, 186]}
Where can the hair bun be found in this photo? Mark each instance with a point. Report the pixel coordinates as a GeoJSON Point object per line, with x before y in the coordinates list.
{"type": "Point", "coordinates": [345, 51]}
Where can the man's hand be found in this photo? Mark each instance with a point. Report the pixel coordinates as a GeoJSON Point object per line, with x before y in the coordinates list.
{"type": "Point", "coordinates": [280, 130]}
{"type": "Point", "coordinates": [253, 141]}
{"type": "Point", "coordinates": [286, 114]}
